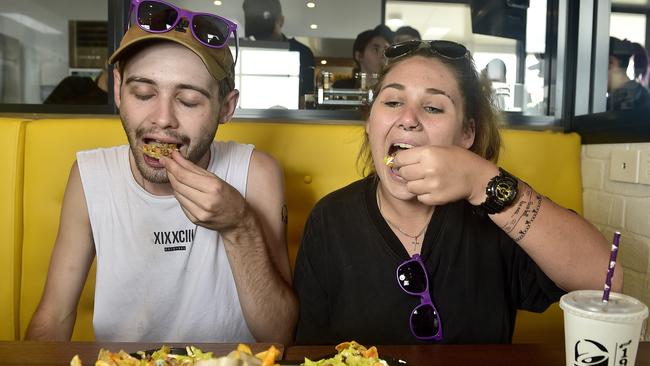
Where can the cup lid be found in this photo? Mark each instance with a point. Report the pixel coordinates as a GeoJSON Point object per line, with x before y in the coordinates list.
{"type": "Point", "coordinates": [589, 303]}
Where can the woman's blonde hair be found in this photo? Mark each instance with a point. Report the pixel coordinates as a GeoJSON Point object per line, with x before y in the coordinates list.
{"type": "Point", "coordinates": [478, 101]}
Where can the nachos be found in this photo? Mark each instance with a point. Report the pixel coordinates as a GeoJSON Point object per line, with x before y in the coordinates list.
{"type": "Point", "coordinates": [164, 356]}
{"type": "Point", "coordinates": [350, 354]}
{"type": "Point", "coordinates": [389, 159]}
{"type": "Point", "coordinates": [158, 149]}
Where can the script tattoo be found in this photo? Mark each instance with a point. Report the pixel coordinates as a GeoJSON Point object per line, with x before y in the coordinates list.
{"type": "Point", "coordinates": [285, 214]}
{"type": "Point", "coordinates": [524, 214]}
{"type": "Point", "coordinates": [518, 214]}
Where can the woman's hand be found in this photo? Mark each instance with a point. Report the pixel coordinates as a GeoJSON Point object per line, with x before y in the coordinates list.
{"type": "Point", "coordinates": [443, 174]}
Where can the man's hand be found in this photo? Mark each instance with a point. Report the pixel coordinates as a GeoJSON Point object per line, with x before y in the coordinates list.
{"type": "Point", "coordinates": [206, 199]}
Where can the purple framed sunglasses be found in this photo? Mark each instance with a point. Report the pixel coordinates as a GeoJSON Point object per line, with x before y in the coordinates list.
{"type": "Point", "coordinates": [156, 16]}
{"type": "Point", "coordinates": [413, 279]}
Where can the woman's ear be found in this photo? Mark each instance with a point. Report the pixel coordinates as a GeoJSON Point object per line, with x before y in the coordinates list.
{"type": "Point", "coordinates": [468, 134]}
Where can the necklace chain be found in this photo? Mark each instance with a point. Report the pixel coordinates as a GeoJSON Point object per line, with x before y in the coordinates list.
{"type": "Point", "coordinates": [414, 237]}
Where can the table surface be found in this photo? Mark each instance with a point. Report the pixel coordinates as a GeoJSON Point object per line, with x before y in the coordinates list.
{"type": "Point", "coordinates": [60, 353]}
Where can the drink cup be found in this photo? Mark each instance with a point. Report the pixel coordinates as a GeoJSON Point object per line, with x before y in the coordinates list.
{"type": "Point", "coordinates": [598, 333]}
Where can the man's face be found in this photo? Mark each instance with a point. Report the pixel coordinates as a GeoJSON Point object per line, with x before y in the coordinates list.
{"type": "Point", "coordinates": [372, 59]}
{"type": "Point", "coordinates": [167, 95]}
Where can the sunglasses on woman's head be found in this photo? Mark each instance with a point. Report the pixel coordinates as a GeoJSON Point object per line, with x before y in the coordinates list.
{"type": "Point", "coordinates": [155, 16]}
{"type": "Point", "coordinates": [447, 49]}
{"type": "Point", "coordinates": [424, 320]}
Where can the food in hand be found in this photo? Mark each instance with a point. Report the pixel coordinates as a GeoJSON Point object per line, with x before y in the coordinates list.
{"type": "Point", "coordinates": [158, 149]}
{"type": "Point", "coordinates": [242, 356]}
{"type": "Point", "coordinates": [350, 354]}
{"type": "Point", "coordinates": [389, 159]}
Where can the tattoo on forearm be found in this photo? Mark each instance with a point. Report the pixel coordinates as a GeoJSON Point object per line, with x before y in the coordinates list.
{"type": "Point", "coordinates": [526, 212]}
{"type": "Point", "coordinates": [285, 214]}
{"type": "Point", "coordinates": [518, 214]}
{"type": "Point", "coordinates": [530, 217]}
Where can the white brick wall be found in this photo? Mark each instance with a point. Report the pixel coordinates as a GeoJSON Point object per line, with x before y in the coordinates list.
{"type": "Point", "coordinates": [612, 206]}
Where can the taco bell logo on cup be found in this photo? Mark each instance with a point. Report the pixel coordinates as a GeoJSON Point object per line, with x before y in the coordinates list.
{"type": "Point", "coordinates": [592, 353]}
{"type": "Point", "coordinates": [601, 334]}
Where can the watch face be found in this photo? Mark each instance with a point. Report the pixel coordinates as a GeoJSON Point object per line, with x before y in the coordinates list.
{"type": "Point", "coordinates": [505, 190]}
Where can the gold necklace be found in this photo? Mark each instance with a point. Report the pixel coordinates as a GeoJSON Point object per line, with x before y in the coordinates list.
{"type": "Point", "coordinates": [415, 242]}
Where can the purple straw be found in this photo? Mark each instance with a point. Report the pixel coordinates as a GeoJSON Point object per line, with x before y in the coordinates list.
{"type": "Point", "coordinates": [612, 264]}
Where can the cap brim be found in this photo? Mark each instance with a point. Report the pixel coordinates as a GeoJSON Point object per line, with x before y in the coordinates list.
{"type": "Point", "coordinates": [140, 36]}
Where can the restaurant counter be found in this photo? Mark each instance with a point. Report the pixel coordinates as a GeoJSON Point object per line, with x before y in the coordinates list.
{"type": "Point", "coordinates": [549, 354]}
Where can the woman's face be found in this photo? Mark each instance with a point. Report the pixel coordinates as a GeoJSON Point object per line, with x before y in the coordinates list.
{"type": "Point", "coordinates": [419, 103]}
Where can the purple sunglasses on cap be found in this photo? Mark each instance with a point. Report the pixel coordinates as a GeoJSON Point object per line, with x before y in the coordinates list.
{"type": "Point", "coordinates": [413, 279]}
{"type": "Point", "coordinates": [155, 16]}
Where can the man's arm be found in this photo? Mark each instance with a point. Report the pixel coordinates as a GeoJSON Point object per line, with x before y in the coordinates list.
{"type": "Point", "coordinates": [259, 257]}
{"type": "Point", "coordinates": [71, 259]}
{"type": "Point", "coordinates": [254, 234]}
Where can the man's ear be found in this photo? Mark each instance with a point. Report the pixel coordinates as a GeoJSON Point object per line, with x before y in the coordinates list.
{"type": "Point", "coordinates": [228, 106]}
{"type": "Point", "coordinates": [280, 22]}
{"type": "Point", "coordinates": [117, 83]}
{"type": "Point", "coordinates": [469, 133]}
{"type": "Point", "coordinates": [357, 56]}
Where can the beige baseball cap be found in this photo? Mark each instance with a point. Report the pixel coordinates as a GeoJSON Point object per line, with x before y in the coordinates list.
{"type": "Point", "coordinates": [218, 61]}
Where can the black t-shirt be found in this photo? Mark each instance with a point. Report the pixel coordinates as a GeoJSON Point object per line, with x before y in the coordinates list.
{"type": "Point", "coordinates": [307, 65]}
{"type": "Point", "coordinates": [345, 275]}
{"type": "Point", "coordinates": [631, 95]}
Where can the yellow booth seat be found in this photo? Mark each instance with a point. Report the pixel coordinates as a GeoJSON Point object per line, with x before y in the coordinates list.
{"type": "Point", "coordinates": [316, 158]}
{"type": "Point", "coordinates": [11, 186]}
{"type": "Point", "coordinates": [50, 147]}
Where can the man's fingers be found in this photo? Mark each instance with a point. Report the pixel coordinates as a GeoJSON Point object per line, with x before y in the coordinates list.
{"type": "Point", "coordinates": [192, 209]}
{"type": "Point", "coordinates": [180, 159]}
{"type": "Point", "coordinates": [190, 178]}
{"type": "Point", "coordinates": [196, 190]}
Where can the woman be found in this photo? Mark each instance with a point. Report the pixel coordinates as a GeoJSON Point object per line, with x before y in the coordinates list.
{"type": "Point", "coordinates": [424, 250]}
{"type": "Point", "coordinates": [622, 92]}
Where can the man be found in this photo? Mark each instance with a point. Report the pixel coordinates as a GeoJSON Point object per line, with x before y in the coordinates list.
{"type": "Point", "coordinates": [368, 54]}
{"type": "Point", "coordinates": [624, 93]}
{"type": "Point", "coordinates": [264, 22]}
{"type": "Point", "coordinates": [406, 33]}
{"type": "Point", "coordinates": [190, 247]}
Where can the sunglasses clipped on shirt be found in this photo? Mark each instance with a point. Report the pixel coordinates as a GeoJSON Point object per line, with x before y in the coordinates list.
{"type": "Point", "coordinates": [424, 320]}
{"type": "Point", "coordinates": [446, 49]}
{"type": "Point", "coordinates": [155, 16]}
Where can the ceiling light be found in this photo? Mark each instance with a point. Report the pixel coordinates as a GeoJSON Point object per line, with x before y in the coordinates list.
{"type": "Point", "coordinates": [217, 2]}
{"type": "Point", "coordinates": [314, 26]}
{"type": "Point", "coordinates": [323, 62]}
{"type": "Point", "coordinates": [311, 4]}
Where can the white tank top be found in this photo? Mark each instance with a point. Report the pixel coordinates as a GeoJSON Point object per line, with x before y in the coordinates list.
{"type": "Point", "coordinates": [160, 278]}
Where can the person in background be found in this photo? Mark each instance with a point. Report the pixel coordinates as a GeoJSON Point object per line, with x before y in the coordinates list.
{"type": "Point", "coordinates": [189, 233]}
{"type": "Point", "coordinates": [406, 33]}
{"type": "Point", "coordinates": [368, 55]}
{"type": "Point", "coordinates": [495, 72]}
{"type": "Point", "coordinates": [438, 243]}
{"type": "Point", "coordinates": [263, 22]}
{"type": "Point", "coordinates": [641, 66]}
{"type": "Point", "coordinates": [82, 90]}
{"type": "Point", "coordinates": [622, 92]}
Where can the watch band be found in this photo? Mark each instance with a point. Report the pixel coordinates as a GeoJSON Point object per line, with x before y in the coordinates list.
{"type": "Point", "coordinates": [501, 192]}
